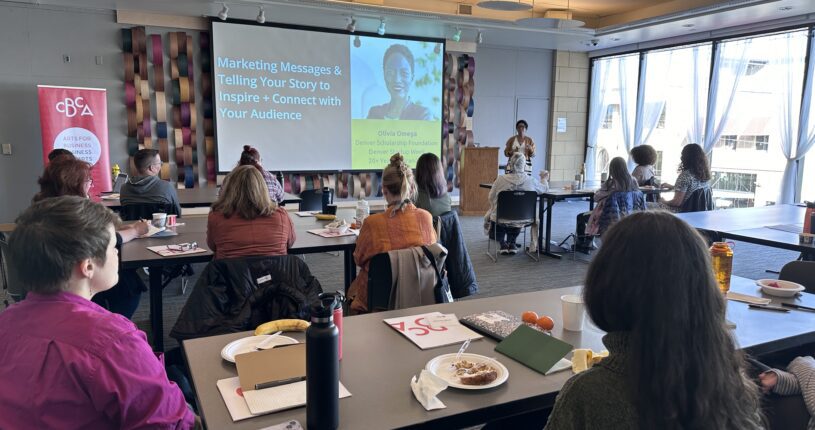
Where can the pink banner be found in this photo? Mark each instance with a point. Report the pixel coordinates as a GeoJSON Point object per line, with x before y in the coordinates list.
{"type": "Point", "coordinates": [76, 119]}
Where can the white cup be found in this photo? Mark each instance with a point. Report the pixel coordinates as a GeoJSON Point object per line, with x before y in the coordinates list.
{"type": "Point", "coordinates": [603, 177]}
{"type": "Point", "coordinates": [576, 185]}
{"type": "Point", "coordinates": [573, 312]}
{"type": "Point", "coordinates": [159, 219]}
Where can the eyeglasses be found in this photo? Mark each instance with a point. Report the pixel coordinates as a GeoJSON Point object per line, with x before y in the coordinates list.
{"type": "Point", "coordinates": [403, 73]}
{"type": "Point", "coordinates": [183, 247]}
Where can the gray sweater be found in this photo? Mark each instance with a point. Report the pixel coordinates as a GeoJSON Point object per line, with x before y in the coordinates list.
{"type": "Point", "coordinates": [799, 379]}
{"type": "Point", "coordinates": [149, 189]}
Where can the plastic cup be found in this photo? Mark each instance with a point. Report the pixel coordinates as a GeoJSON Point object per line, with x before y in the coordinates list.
{"type": "Point", "coordinates": [171, 219]}
{"type": "Point", "coordinates": [574, 312]}
{"type": "Point", "coordinates": [159, 219]}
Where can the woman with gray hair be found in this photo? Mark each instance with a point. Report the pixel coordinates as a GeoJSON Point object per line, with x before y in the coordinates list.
{"type": "Point", "coordinates": [507, 233]}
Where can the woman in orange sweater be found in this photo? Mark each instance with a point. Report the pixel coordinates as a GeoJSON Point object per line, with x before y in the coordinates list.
{"type": "Point", "coordinates": [244, 221]}
{"type": "Point", "coordinates": [401, 226]}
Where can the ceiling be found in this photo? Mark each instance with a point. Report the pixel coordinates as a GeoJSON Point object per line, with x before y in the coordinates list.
{"type": "Point", "coordinates": [610, 24]}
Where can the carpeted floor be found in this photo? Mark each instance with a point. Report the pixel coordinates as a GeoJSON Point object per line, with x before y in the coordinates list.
{"type": "Point", "coordinates": [511, 274]}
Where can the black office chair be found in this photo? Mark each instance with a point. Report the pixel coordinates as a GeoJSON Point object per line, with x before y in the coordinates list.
{"type": "Point", "coordinates": [11, 283]}
{"type": "Point", "coordinates": [516, 206]}
{"type": "Point", "coordinates": [312, 200]}
{"type": "Point", "coordinates": [699, 201]}
{"type": "Point", "coordinates": [379, 283]}
{"type": "Point", "coordinates": [800, 272]}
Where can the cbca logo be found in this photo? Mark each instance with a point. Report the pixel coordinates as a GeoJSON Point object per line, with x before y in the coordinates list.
{"type": "Point", "coordinates": [72, 107]}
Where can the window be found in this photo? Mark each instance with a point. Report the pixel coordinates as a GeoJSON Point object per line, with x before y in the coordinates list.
{"type": "Point", "coordinates": [734, 181]}
{"type": "Point", "coordinates": [762, 143]}
{"type": "Point", "coordinates": [658, 165]}
{"type": "Point", "coordinates": [661, 120]}
{"type": "Point", "coordinates": [611, 112]}
{"type": "Point", "coordinates": [726, 141]}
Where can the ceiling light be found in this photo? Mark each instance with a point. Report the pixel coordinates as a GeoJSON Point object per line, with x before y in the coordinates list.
{"type": "Point", "coordinates": [224, 13]}
{"type": "Point", "coordinates": [785, 8]}
{"type": "Point", "coordinates": [352, 25]}
{"type": "Point", "coordinates": [480, 38]}
{"type": "Point", "coordinates": [556, 19]}
{"type": "Point", "coordinates": [261, 16]}
{"type": "Point", "coordinates": [381, 30]}
{"type": "Point", "coordinates": [457, 35]}
{"type": "Point", "coordinates": [506, 5]}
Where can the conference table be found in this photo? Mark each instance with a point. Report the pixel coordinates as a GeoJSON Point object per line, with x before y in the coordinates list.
{"type": "Point", "coordinates": [135, 254]}
{"type": "Point", "coordinates": [378, 363]}
{"type": "Point", "coordinates": [774, 226]}
{"type": "Point", "coordinates": [195, 197]}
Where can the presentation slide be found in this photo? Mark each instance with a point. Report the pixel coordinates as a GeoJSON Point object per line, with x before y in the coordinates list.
{"type": "Point", "coordinates": [317, 101]}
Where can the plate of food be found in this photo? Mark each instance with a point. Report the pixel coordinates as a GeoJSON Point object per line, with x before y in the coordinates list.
{"type": "Point", "coordinates": [249, 344]}
{"type": "Point", "coordinates": [779, 288]}
{"type": "Point", "coordinates": [338, 226]}
{"type": "Point", "coordinates": [325, 217]}
{"type": "Point", "coordinates": [469, 372]}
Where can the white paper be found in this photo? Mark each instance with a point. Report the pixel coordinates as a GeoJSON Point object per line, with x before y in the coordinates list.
{"type": "Point", "coordinates": [280, 398]}
{"type": "Point", "coordinates": [426, 334]}
{"type": "Point", "coordinates": [731, 295]}
{"type": "Point", "coordinates": [152, 230]}
{"type": "Point", "coordinates": [563, 364]}
{"type": "Point", "coordinates": [561, 125]}
{"type": "Point", "coordinates": [306, 213]}
{"type": "Point", "coordinates": [426, 388]}
{"type": "Point", "coordinates": [231, 392]}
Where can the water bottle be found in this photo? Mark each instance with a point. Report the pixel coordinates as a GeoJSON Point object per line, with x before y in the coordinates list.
{"type": "Point", "coordinates": [363, 210]}
{"type": "Point", "coordinates": [326, 199]}
{"type": "Point", "coordinates": [809, 218]}
{"type": "Point", "coordinates": [722, 257]}
{"type": "Point", "coordinates": [322, 368]}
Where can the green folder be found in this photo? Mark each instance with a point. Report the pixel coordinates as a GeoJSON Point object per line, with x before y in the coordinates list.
{"type": "Point", "coordinates": [534, 349]}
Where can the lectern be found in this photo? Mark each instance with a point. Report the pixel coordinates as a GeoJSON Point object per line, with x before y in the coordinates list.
{"type": "Point", "coordinates": [478, 165]}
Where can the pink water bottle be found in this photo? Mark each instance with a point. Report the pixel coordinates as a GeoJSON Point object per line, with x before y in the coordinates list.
{"type": "Point", "coordinates": [339, 298]}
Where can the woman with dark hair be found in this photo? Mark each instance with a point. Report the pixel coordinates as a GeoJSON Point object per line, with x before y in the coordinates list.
{"type": "Point", "coordinates": [251, 157]}
{"type": "Point", "coordinates": [672, 363]}
{"type": "Point", "coordinates": [645, 156]}
{"type": "Point", "coordinates": [694, 174]}
{"type": "Point", "coordinates": [431, 185]}
{"type": "Point", "coordinates": [398, 67]}
{"type": "Point", "coordinates": [521, 143]}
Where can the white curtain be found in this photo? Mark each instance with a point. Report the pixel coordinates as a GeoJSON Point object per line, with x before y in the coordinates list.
{"type": "Point", "coordinates": [729, 66]}
{"type": "Point", "coordinates": [597, 111]}
{"type": "Point", "coordinates": [700, 77]}
{"type": "Point", "coordinates": [805, 137]}
{"type": "Point", "coordinates": [654, 71]}
{"type": "Point", "coordinates": [627, 81]}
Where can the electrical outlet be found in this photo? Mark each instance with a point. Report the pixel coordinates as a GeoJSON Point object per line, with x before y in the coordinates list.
{"type": "Point", "coordinates": [66, 58]}
{"type": "Point", "coordinates": [98, 60]}
{"type": "Point", "coordinates": [6, 149]}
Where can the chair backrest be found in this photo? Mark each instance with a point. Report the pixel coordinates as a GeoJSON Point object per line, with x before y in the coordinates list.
{"type": "Point", "coordinates": [11, 282]}
{"type": "Point", "coordinates": [700, 200]}
{"type": "Point", "coordinates": [801, 272]}
{"type": "Point", "coordinates": [312, 200]}
{"type": "Point", "coordinates": [460, 272]}
{"type": "Point", "coordinates": [618, 205]}
{"type": "Point", "coordinates": [516, 206]}
{"type": "Point", "coordinates": [137, 211]}
{"type": "Point", "coordinates": [379, 282]}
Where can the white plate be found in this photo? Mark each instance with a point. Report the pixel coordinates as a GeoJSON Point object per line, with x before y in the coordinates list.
{"type": "Point", "coordinates": [788, 289]}
{"type": "Point", "coordinates": [442, 366]}
{"type": "Point", "coordinates": [249, 344]}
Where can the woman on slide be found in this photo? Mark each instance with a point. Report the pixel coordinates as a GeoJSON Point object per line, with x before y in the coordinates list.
{"type": "Point", "coordinates": [398, 66]}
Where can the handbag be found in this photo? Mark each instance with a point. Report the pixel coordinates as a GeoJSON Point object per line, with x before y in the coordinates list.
{"type": "Point", "coordinates": [441, 291]}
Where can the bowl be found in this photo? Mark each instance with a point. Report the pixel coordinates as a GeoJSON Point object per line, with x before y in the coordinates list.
{"type": "Point", "coordinates": [779, 288]}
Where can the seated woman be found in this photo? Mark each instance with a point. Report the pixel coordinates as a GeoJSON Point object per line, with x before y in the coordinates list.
{"type": "Point", "coordinates": [244, 221]}
{"type": "Point", "coordinates": [672, 364]}
{"type": "Point", "coordinates": [69, 363]}
{"type": "Point", "coordinates": [618, 181]}
{"type": "Point", "coordinates": [431, 185]}
{"type": "Point", "coordinates": [251, 157]}
{"type": "Point", "coordinates": [401, 226]}
{"type": "Point", "coordinates": [518, 180]}
{"type": "Point", "coordinates": [68, 176]}
{"type": "Point", "coordinates": [645, 156]}
{"type": "Point", "coordinates": [694, 174]}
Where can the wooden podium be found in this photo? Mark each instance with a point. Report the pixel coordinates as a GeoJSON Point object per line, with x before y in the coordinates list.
{"type": "Point", "coordinates": [478, 165]}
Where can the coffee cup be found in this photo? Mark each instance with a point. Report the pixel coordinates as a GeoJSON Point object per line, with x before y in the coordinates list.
{"type": "Point", "coordinates": [331, 209]}
{"type": "Point", "coordinates": [806, 238]}
{"type": "Point", "coordinates": [574, 312]}
{"type": "Point", "coordinates": [171, 219]}
{"type": "Point", "coordinates": [159, 219]}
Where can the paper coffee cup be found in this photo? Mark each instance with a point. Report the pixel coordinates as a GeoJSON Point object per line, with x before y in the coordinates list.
{"type": "Point", "coordinates": [574, 312]}
{"type": "Point", "coordinates": [159, 219]}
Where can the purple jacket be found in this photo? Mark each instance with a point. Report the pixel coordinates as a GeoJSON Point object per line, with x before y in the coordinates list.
{"type": "Point", "coordinates": [68, 363]}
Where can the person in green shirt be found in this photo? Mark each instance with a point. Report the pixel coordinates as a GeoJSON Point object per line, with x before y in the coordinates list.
{"type": "Point", "coordinates": [431, 185]}
{"type": "Point", "coordinates": [672, 363]}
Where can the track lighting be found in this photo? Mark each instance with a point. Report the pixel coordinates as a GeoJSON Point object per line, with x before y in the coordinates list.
{"type": "Point", "coordinates": [352, 25]}
{"type": "Point", "coordinates": [480, 38]}
{"type": "Point", "coordinates": [261, 16]}
{"type": "Point", "coordinates": [457, 35]}
{"type": "Point", "coordinates": [381, 30]}
{"type": "Point", "coordinates": [224, 13]}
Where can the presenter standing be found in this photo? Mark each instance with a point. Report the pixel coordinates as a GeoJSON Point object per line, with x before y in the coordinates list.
{"type": "Point", "coordinates": [398, 68]}
{"type": "Point", "coordinates": [521, 143]}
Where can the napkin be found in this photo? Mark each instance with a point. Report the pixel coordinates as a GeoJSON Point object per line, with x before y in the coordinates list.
{"type": "Point", "coordinates": [747, 298]}
{"type": "Point", "coordinates": [426, 387]}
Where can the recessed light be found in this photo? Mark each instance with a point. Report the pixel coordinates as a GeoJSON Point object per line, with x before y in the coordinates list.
{"type": "Point", "coordinates": [785, 8]}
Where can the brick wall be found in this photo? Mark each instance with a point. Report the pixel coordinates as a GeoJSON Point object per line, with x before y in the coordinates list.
{"type": "Point", "coordinates": [569, 101]}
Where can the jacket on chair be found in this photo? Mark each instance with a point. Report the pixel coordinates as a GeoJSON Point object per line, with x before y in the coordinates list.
{"type": "Point", "coordinates": [460, 273]}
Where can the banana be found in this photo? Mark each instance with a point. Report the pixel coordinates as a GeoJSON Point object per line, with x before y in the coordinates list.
{"type": "Point", "coordinates": [282, 325]}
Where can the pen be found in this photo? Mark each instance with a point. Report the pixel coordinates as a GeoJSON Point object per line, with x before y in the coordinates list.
{"type": "Point", "coordinates": [796, 306]}
{"type": "Point", "coordinates": [769, 308]}
{"type": "Point", "coordinates": [271, 384]}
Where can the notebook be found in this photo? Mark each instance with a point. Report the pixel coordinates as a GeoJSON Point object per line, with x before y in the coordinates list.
{"type": "Point", "coordinates": [495, 324]}
{"type": "Point", "coordinates": [534, 349]}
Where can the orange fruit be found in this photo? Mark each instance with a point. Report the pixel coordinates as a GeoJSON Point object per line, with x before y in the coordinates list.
{"type": "Point", "coordinates": [529, 317]}
{"type": "Point", "coordinates": [545, 322]}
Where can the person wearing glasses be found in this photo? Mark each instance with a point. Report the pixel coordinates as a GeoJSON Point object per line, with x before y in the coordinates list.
{"type": "Point", "coordinates": [146, 187]}
{"type": "Point", "coordinates": [398, 68]}
{"type": "Point", "coordinates": [70, 363]}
